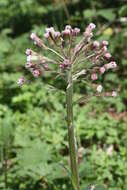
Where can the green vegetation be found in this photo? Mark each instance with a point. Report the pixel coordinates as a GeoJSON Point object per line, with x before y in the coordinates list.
{"type": "Point", "coordinates": [33, 133]}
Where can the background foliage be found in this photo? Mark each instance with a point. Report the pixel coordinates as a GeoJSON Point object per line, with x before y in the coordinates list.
{"type": "Point", "coordinates": [33, 135]}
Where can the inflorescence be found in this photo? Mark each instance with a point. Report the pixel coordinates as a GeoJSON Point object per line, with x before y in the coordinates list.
{"type": "Point", "coordinates": [89, 59]}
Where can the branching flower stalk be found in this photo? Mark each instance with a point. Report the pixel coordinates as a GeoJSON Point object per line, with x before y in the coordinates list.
{"type": "Point", "coordinates": [72, 61]}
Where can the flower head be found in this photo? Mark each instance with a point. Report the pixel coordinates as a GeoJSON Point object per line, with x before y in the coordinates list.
{"type": "Point", "coordinates": [21, 81]}
{"type": "Point", "coordinates": [86, 59]}
{"type": "Point", "coordinates": [99, 88]}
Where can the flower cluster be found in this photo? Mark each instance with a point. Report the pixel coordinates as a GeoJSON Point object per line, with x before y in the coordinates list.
{"type": "Point", "coordinates": [87, 58]}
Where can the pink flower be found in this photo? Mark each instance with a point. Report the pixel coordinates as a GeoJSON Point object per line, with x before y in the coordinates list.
{"type": "Point", "coordinates": [91, 26]}
{"type": "Point", "coordinates": [102, 70]}
{"type": "Point", "coordinates": [110, 65]}
{"type": "Point", "coordinates": [21, 81]}
{"type": "Point", "coordinates": [62, 66]}
{"type": "Point", "coordinates": [94, 76]}
{"type": "Point", "coordinates": [37, 40]}
{"type": "Point", "coordinates": [46, 35]}
{"type": "Point", "coordinates": [104, 49]}
{"type": "Point", "coordinates": [99, 88]}
{"type": "Point", "coordinates": [66, 32]}
{"type": "Point", "coordinates": [96, 44]}
{"type": "Point", "coordinates": [68, 27]}
{"type": "Point", "coordinates": [113, 64]}
{"type": "Point", "coordinates": [28, 52]}
{"type": "Point", "coordinates": [114, 94]}
{"type": "Point", "coordinates": [51, 30]}
{"type": "Point", "coordinates": [107, 55]}
{"type": "Point", "coordinates": [105, 43]}
{"type": "Point", "coordinates": [75, 31]}
{"type": "Point", "coordinates": [33, 36]}
{"type": "Point", "coordinates": [36, 73]}
{"type": "Point", "coordinates": [66, 62]}
{"type": "Point", "coordinates": [57, 34]}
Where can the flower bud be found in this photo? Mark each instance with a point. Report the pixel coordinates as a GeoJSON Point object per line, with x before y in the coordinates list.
{"type": "Point", "coordinates": [114, 94]}
{"type": "Point", "coordinates": [37, 40]}
{"type": "Point", "coordinates": [33, 36]}
{"type": "Point", "coordinates": [113, 64]}
{"type": "Point", "coordinates": [94, 76]}
{"type": "Point", "coordinates": [46, 35]}
{"type": "Point", "coordinates": [50, 30]}
{"type": "Point", "coordinates": [104, 49]}
{"type": "Point", "coordinates": [102, 70]}
{"type": "Point", "coordinates": [66, 32]}
{"type": "Point", "coordinates": [57, 34]}
{"type": "Point", "coordinates": [104, 43]}
{"type": "Point", "coordinates": [21, 81]}
{"type": "Point", "coordinates": [96, 44]}
{"type": "Point", "coordinates": [91, 26]}
{"type": "Point", "coordinates": [99, 88]}
{"type": "Point", "coordinates": [107, 55]}
{"type": "Point", "coordinates": [28, 52]}
{"type": "Point", "coordinates": [36, 73]}
{"type": "Point", "coordinates": [68, 27]}
{"type": "Point", "coordinates": [75, 31]}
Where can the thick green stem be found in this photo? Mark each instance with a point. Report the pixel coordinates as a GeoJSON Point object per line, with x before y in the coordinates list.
{"type": "Point", "coordinates": [71, 136]}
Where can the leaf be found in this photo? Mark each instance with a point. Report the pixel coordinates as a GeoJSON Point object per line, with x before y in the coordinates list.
{"type": "Point", "coordinates": [108, 14]}
{"type": "Point", "coordinates": [123, 11]}
{"type": "Point", "coordinates": [88, 13]}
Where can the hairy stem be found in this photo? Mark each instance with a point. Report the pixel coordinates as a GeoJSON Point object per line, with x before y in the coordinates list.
{"type": "Point", "coordinates": [71, 136]}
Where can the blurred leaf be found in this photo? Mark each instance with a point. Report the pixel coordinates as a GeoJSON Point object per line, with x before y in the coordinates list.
{"type": "Point", "coordinates": [108, 14]}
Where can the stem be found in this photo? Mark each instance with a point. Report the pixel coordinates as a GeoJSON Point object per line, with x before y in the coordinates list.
{"type": "Point", "coordinates": [5, 168]}
{"type": "Point", "coordinates": [71, 136]}
{"type": "Point", "coordinates": [55, 52]}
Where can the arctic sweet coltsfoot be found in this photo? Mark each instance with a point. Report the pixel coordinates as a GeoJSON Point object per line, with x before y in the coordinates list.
{"type": "Point", "coordinates": [73, 59]}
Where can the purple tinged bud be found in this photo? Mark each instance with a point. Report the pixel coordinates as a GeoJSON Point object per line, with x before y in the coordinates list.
{"type": "Point", "coordinates": [110, 65]}
{"type": "Point", "coordinates": [102, 70]}
{"type": "Point", "coordinates": [36, 73]}
{"type": "Point", "coordinates": [33, 36]}
{"type": "Point", "coordinates": [57, 34]}
{"type": "Point", "coordinates": [96, 44]}
{"type": "Point", "coordinates": [21, 81]}
{"type": "Point", "coordinates": [75, 31]}
{"type": "Point", "coordinates": [107, 55]}
{"type": "Point", "coordinates": [91, 26]}
{"type": "Point", "coordinates": [94, 76]}
{"type": "Point", "coordinates": [104, 49]}
{"type": "Point", "coordinates": [66, 62]}
{"type": "Point", "coordinates": [62, 66]}
{"type": "Point", "coordinates": [28, 52]}
{"type": "Point", "coordinates": [66, 32]}
{"type": "Point", "coordinates": [51, 30]}
{"type": "Point", "coordinates": [114, 94]}
{"type": "Point", "coordinates": [113, 64]}
{"type": "Point", "coordinates": [68, 27]}
{"type": "Point", "coordinates": [99, 88]}
{"type": "Point", "coordinates": [105, 43]}
{"type": "Point", "coordinates": [46, 35]}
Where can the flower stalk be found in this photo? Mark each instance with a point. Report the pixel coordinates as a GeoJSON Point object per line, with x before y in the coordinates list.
{"type": "Point", "coordinates": [71, 135]}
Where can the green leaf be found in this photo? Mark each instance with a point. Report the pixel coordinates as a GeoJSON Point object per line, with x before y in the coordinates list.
{"type": "Point", "coordinates": [123, 11]}
{"type": "Point", "coordinates": [108, 14]}
{"type": "Point", "coordinates": [88, 13]}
